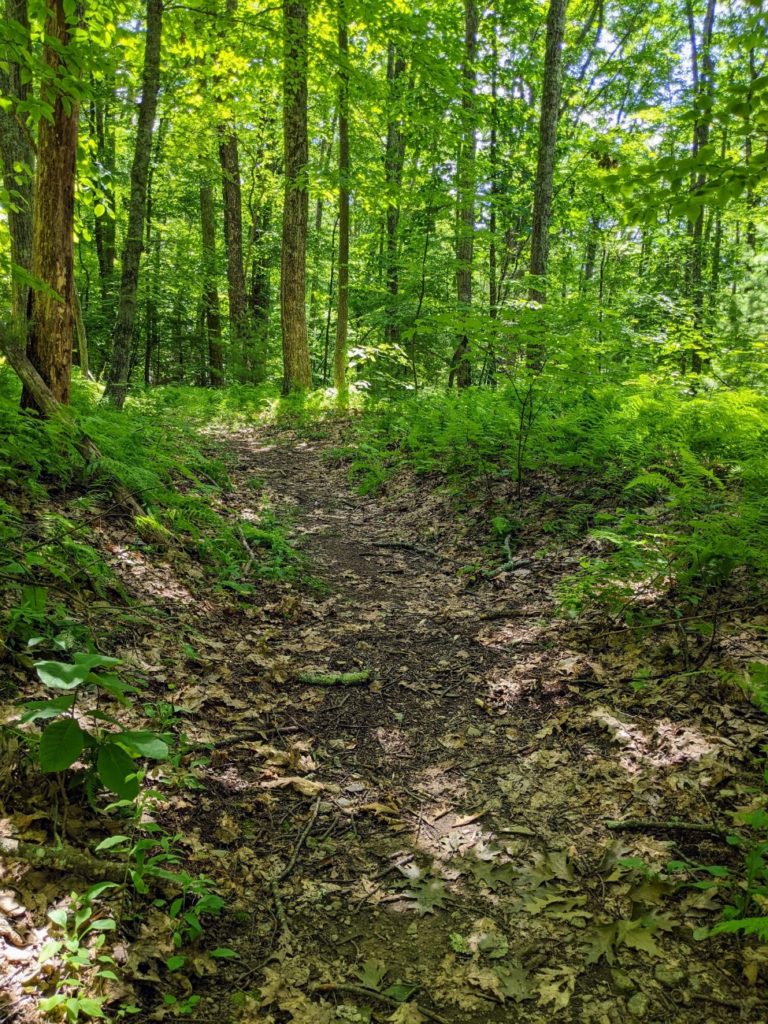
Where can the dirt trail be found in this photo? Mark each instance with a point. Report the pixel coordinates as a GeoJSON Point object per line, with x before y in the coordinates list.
{"type": "Point", "coordinates": [458, 842]}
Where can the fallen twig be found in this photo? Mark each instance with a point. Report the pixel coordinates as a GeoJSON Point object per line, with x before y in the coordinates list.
{"type": "Point", "coordinates": [335, 678]}
{"type": "Point", "coordinates": [275, 880]}
{"type": "Point", "coordinates": [671, 825]}
{"type": "Point", "coordinates": [402, 545]}
{"type": "Point", "coordinates": [371, 993]}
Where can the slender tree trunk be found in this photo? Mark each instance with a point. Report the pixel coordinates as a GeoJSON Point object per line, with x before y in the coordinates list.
{"type": "Point", "coordinates": [51, 321]}
{"type": "Point", "coordinates": [461, 367]}
{"type": "Point", "coordinates": [297, 374]}
{"type": "Point", "coordinates": [104, 226]}
{"type": "Point", "coordinates": [702, 68]}
{"type": "Point", "coordinates": [211, 308]}
{"type": "Point", "coordinates": [545, 166]}
{"type": "Point", "coordinates": [17, 151]}
{"type": "Point", "coordinates": [261, 292]}
{"type": "Point", "coordinates": [489, 369]}
{"type": "Point", "coordinates": [342, 307]}
{"type": "Point", "coordinates": [394, 159]}
{"type": "Point", "coordinates": [229, 158]}
{"type": "Point", "coordinates": [122, 337]}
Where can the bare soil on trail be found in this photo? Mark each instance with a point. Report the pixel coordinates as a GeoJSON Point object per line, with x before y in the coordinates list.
{"type": "Point", "coordinates": [431, 844]}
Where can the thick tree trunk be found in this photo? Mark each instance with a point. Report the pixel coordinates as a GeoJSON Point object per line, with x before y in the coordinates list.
{"type": "Point", "coordinates": [297, 374]}
{"type": "Point", "coordinates": [122, 337]}
{"type": "Point", "coordinates": [545, 166]}
{"type": "Point", "coordinates": [342, 307]}
{"type": "Point", "coordinates": [211, 308]}
{"type": "Point", "coordinates": [394, 159]}
{"type": "Point", "coordinates": [17, 151]}
{"type": "Point", "coordinates": [461, 367]}
{"type": "Point", "coordinates": [51, 320]}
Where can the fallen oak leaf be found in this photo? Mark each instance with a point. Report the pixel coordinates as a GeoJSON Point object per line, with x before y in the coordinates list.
{"type": "Point", "coordinates": [307, 787]}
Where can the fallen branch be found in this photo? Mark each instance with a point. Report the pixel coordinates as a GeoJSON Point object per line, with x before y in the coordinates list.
{"type": "Point", "coordinates": [66, 858]}
{"type": "Point", "coordinates": [371, 993]}
{"type": "Point", "coordinates": [335, 678]}
{"type": "Point", "coordinates": [670, 825]}
{"type": "Point", "coordinates": [63, 858]}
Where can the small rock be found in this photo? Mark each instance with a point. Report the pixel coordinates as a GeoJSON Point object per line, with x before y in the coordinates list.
{"type": "Point", "coordinates": [622, 981]}
{"type": "Point", "coordinates": [669, 976]}
{"type": "Point", "coordinates": [638, 1004]}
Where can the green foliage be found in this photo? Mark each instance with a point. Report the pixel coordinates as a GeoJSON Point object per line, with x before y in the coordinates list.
{"type": "Point", "coordinates": [110, 750]}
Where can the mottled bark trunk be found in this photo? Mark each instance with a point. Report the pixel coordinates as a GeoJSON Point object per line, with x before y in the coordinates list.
{"type": "Point", "coordinates": [17, 151]}
{"type": "Point", "coordinates": [394, 159]}
{"type": "Point", "coordinates": [545, 165]}
{"type": "Point", "coordinates": [702, 70]}
{"type": "Point", "coordinates": [104, 228]}
{"type": "Point", "coordinates": [229, 159]}
{"type": "Point", "coordinates": [122, 337]}
{"type": "Point", "coordinates": [211, 308]}
{"type": "Point", "coordinates": [51, 321]}
{"type": "Point", "coordinates": [461, 367]}
{"type": "Point", "coordinates": [342, 306]}
{"type": "Point", "coordinates": [261, 292]}
{"type": "Point", "coordinates": [297, 374]}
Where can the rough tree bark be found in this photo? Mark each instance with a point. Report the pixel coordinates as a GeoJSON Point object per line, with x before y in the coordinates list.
{"type": "Point", "coordinates": [211, 309]}
{"type": "Point", "coordinates": [229, 159]}
{"type": "Point", "coordinates": [702, 71]}
{"type": "Point", "coordinates": [17, 149]}
{"type": "Point", "coordinates": [342, 306]}
{"type": "Point", "coordinates": [297, 373]}
{"type": "Point", "coordinates": [122, 337]}
{"type": "Point", "coordinates": [394, 160]}
{"type": "Point", "coordinates": [461, 367]}
{"type": "Point", "coordinates": [51, 307]}
{"type": "Point", "coordinates": [545, 165]}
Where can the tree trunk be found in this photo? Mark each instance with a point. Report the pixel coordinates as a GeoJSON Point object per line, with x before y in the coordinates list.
{"type": "Point", "coordinates": [342, 307]}
{"type": "Point", "coordinates": [461, 367]}
{"type": "Point", "coordinates": [229, 158]}
{"type": "Point", "coordinates": [104, 226]}
{"type": "Point", "coordinates": [261, 293]}
{"type": "Point", "coordinates": [211, 308]}
{"type": "Point", "coordinates": [51, 320]}
{"type": "Point", "coordinates": [702, 70]}
{"type": "Point", "coordinates": [17, 151]}
{"type": "Point", "coordinates": [122, 337]}
{"type": "Point", "coordinates": [394, 159]}
{"type": "Point", "coordinates": [545, 166]}
{"type": "Point", "coordinates": [297, 374]}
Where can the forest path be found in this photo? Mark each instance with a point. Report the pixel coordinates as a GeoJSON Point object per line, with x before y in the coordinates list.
{"type": "Point", "coordinates": [442, 827]}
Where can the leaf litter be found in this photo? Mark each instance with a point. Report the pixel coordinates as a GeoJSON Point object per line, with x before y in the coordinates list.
{"type": "Point", "coordinates": [458, 866]}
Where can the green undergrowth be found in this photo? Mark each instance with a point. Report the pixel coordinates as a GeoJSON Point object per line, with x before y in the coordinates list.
{"type": "Point", "coordinates": [52, 503]}
{"type": "Point", "coordinates": [671, 484]}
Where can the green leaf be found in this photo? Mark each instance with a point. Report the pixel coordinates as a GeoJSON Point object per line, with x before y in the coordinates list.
{"type": "Point", "coordinates": [60, 675]}
{"type": "Point", "coordinates": [114, 766]}
{"type": "Point", "coordinates": [91, 1007]}
{"type": "Point", "coordinates": [60, 745]}
{"type": "Point", "coordinates": [173, 963]}
{"type": "Point", "coordinates": [223, 953]}
{"type": "Point", "coordinates": [143, 744]}
{"type": "Point", "coordinates": [400, 992]}
{"type": "Point", "coordinates": [58, 916]}
{"type": "Point", "coordinates": [111, 841]}
{"type": "Point", "coordinates": [372, 973]}
{"type": "Point", "coordinates": [41, 709]}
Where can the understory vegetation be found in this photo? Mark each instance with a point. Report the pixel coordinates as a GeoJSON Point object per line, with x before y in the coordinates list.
{"type": "Point", "coordinates": [383, 511]}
